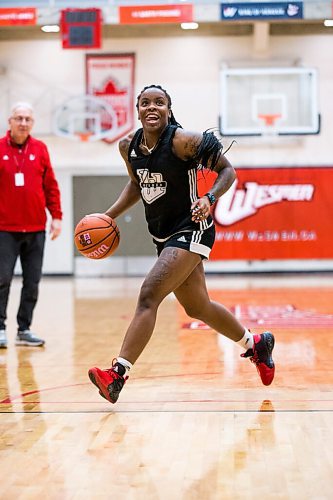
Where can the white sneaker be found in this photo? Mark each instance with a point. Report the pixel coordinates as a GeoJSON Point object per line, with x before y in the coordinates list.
{"type": "Point", "coordinates": [3, 339]}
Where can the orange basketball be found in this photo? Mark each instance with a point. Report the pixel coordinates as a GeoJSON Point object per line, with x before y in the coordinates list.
{"type": "Point", "coordinates": [96, 236]}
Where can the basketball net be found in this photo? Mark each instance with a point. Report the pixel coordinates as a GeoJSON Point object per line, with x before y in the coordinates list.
{"type": "Point", "coordinates": [269, 126]}
{"type": "Point", "coordinates": [84, 136]}
{"type": "Point", "coordinates": [269, 123]}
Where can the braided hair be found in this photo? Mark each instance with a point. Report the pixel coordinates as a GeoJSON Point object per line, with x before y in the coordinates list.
{"type": "Point", "coordinates": [172, 119]}
{"type": "Point", "coordinates": [210, 149]}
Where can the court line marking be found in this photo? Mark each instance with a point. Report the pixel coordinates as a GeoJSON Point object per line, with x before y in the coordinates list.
{"type": "Point", "coordinates": [159, 411]}
{"type": "Point", "coordinates": [12, 399]}
{"type": "Point", "coordinates": [173, 401]}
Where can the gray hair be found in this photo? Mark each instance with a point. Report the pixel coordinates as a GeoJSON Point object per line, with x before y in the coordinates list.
{"type": "Point", "coordinates": [21, 104]}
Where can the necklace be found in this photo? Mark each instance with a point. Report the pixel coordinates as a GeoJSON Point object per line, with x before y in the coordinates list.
{"type": "Point", "coordinates": [144, 144]}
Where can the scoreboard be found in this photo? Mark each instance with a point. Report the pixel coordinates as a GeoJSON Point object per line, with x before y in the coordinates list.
{"type": "Point", "coordinates": [81, 28]}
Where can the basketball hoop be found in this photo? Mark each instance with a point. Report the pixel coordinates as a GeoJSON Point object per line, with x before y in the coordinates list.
{"type": "Point", "coordinates": [269, 120]}
{"type": "Point", "coordinates": [269, 127]}
{"type": "Point", "coordinates": [83, 136]}
{"type": "Point", "coordinates": [86, 119]}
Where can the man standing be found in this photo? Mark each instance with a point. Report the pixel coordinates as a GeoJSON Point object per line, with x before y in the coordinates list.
{"type": "Point", "coordinates": [28, 187]}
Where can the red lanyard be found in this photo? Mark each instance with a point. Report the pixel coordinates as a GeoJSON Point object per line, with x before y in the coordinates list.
{"type": "Point", "coordinates": [22, 155]}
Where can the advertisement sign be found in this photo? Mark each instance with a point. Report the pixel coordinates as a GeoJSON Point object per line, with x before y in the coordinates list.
{"type": "Point", "coordinates": [236, 11]}
{"type": "Point", "coordinates": [110, 77]}
{"type": "Point", "coordinates": [18, 16]}
{"type": "Point", "coordinates": [155, 14]}
{"type": "Point", "coordinates": [274, 213]}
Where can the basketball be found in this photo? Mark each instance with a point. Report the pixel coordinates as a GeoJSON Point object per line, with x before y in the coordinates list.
{"type": "Point", "coordinates": [96, 236]}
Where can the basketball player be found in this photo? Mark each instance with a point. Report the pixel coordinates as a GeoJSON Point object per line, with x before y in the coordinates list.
{"type": "Point", "coordinates": [28, 187]}
{"type": "Point", "coordinates": [162, 161]}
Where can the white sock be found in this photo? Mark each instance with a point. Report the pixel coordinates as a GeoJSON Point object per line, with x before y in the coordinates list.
{"type": "Point", "coordinates": [125, 363]}
{"type": "Point", "coordinates": [246, 341]}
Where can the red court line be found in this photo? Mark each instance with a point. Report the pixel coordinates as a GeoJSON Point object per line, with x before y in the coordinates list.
{"type": "Point", "coordinates": [11, 399]}
{"type": "Point", "coordinates": [87, 383]}
{"type": "Point", "coordinates": [37, 391]}
{"type": "Point", "coordinates": [175, 401]}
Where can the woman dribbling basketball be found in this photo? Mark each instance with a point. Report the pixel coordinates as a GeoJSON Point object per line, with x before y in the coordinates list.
{"type": "Point", "coordinates": [162, 161]}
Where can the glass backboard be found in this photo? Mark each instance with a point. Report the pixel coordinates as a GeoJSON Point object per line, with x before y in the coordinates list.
{"type": "Point", "coordinates": [262, 101]}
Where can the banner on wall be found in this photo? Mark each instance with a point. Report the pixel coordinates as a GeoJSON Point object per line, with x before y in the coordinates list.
{"type": "Point", "coordinates": [264, 10]}
{"type": "Point", "coordinates": [274, 213]}
{"type": "Point", "coordinates": [18, 16]}
{"type": "Point", "coordinates": [110, 77]}
{"type": "Point", "coordinates": [155, 14]}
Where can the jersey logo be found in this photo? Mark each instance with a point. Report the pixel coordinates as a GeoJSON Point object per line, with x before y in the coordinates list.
{"type": "Point", "coordinates": [152, 185]}
{"type": "Point", "coordinates": [133, 154]}
{"type": "Point", "coordinates": [182, 238]}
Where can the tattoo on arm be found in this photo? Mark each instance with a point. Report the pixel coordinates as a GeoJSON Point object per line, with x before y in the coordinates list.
{"type": "Point", "coordinates": [123, 147]}
{"type": "Point", "coordinates": [191, 146]}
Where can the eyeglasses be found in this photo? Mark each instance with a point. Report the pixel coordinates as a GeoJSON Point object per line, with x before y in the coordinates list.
{"type": "Point", "coordinates": [21, 119]}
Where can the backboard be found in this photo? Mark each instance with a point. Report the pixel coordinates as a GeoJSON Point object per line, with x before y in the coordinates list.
{"type": "Point", "coordinates": [85, 118]}
{"type": "Point", "coordinates": [263, 101]}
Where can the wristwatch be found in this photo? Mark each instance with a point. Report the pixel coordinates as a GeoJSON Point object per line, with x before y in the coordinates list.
{"type": "Point", "coordinates": [211, 198]}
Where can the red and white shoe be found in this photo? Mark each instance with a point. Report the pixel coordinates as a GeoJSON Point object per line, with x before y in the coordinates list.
{"type": "Point", "coordinates": [261, 356]}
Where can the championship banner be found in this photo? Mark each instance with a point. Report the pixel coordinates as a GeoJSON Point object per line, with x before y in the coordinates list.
{"type": "Point", "coordinates": [274, 213]}
{"type": "Point", "coordinates": [110, 77]}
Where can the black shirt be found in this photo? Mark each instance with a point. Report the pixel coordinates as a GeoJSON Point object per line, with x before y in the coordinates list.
{"type": "Point", "coordinates": [168, 186]}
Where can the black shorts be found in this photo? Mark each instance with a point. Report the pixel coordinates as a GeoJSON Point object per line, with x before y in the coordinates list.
{"type": "Point", "coordinates": [200, 242]}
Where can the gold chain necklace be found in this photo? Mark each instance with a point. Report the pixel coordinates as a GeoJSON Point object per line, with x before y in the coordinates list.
{"type": "Point", "coordinates": [144, 144]}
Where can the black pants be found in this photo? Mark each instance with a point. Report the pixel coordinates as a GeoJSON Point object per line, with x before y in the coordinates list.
{"type": "Point", "coordinates": [30, 248]}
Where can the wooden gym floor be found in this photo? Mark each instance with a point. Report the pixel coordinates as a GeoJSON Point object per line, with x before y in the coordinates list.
{"type": "Point", "coordinates": [193, 421]}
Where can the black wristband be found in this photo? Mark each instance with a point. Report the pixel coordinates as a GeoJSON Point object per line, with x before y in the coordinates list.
{"type": "Point", "coordinates": [211, 198]}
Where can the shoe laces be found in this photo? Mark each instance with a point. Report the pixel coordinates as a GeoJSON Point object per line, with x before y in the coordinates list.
{"type": "Point", "coordinates": [253, 355]}
{"type": "Point", "coordinates": [113, 373]}
{"type": "Point", "coordinates": [118, 379]}
{"type": "Point", "coordinates": [114, 362]}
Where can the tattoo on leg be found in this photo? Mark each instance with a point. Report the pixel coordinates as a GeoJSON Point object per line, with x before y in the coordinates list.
{"type": "Point", "coordinates": [165, 262]}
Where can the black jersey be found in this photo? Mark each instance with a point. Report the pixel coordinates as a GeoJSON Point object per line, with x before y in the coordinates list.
{"type": "Point", "coordinates": [168, 186]}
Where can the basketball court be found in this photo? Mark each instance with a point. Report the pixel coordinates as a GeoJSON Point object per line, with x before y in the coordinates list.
{"type": "Point", "coordinates": [193, 421]}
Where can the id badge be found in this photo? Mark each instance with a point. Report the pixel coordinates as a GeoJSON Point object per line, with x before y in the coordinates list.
{"type": "Point", "coordinates": [19, 179]}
